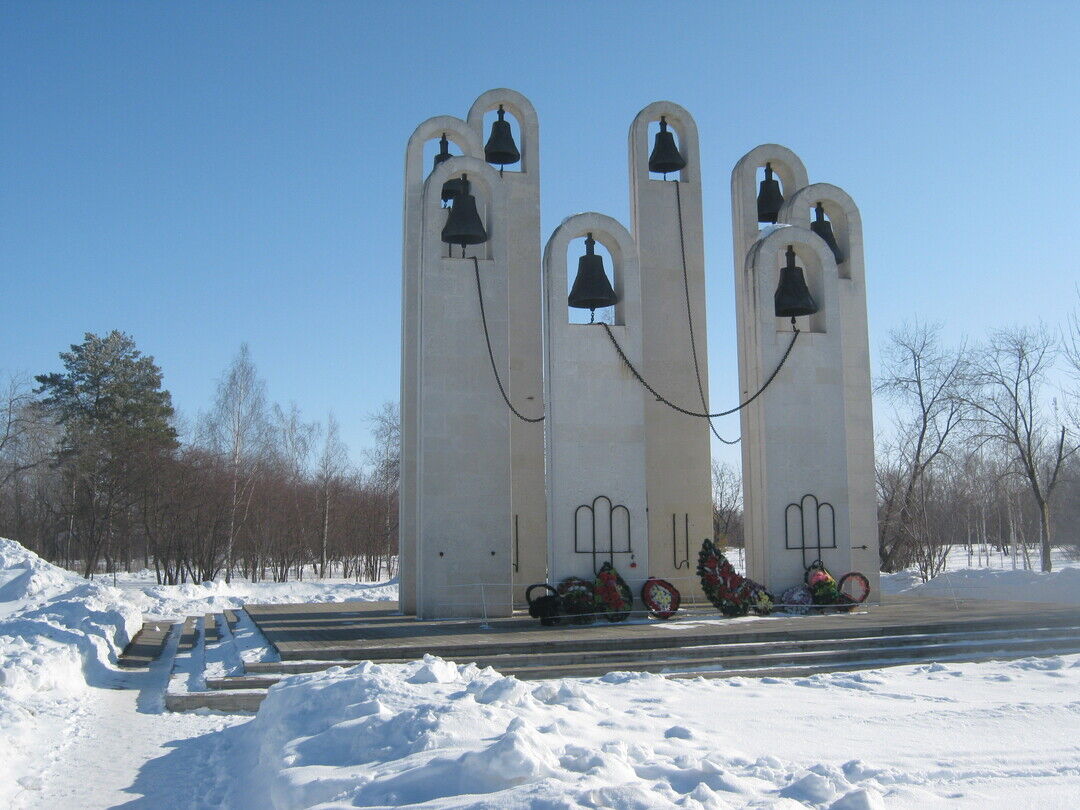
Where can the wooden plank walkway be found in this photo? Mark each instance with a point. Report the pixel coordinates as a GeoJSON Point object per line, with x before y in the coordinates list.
{"type": "Point", "coordinates": [375, 630]}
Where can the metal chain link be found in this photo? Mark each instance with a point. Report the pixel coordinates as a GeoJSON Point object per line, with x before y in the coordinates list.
{"type": "Point", "coordinates": [491, 354]}
{"type": "Point", "coordinates": [690, 316]}
{"type": "Point", "coordinates": [679, 408]}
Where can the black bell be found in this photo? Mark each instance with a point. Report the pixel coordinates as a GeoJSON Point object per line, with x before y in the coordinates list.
{"type": "Point", "coordinates": [500, 148]}
{"type": "Point", "coordinates": [792, 297]}
{"type": "Point", "coordinates": [463, 226]}
{"type": "Point", "coordinates": [665, 156]}
{"type": "Point", "coordinates": [823, 228]}
{"type": "Point", "coordinates": [769, 198]}
{"type": "Point", "coordinates": [453, 187]}
{"type": "Point", "coordinates": [591, 290]}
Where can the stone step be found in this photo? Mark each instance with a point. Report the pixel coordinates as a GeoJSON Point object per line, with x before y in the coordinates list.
{"type": "Point", "coordinates": [715, 650]}
{"type": "Point", "coordinates": [188, 633]}
{"type": "Point", "coordinates": [146, 646]}
{"type": "Point", "coordinates": [210, 629]}
{"type": "Point", "coordinates": [751, 656]}
{"type": "Point", "coordinates": [242, 682]}
{"type": "Point", "coordinates": [250, 691]}
{"type": "Point", "coordinates": [775, 661]}
{"type": "Point", "coordinates": [380, 650]}
{"type": "Point", "coordinates": [230, 701]}
{"type": "Point", "coordinates": [973, 656]}
{"type": "Point", "coordinates": [232, 618]}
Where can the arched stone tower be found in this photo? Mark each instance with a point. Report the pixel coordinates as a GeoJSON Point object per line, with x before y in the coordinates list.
{"type": "Point", "coordinates": [471, 473]}
{"type": "Point", "coordinates": [811, 432]}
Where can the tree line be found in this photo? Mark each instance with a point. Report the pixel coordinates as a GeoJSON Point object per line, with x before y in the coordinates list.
{"type": "Point", "coordinates": [977, 453]}
{"type": "Point", "coordinates": [982, 454]}
{"type": "Point", "coordinates": [98, 473]}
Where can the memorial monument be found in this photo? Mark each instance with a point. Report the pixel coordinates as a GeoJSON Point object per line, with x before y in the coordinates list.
{"type": "Point", "coordinates": [536, 448]}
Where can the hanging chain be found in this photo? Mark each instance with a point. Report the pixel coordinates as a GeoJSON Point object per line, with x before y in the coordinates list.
{"type": "Point", "coordinates": [679, 408]}
{"type": "Point", "coordinates": [491, 354]}
{"type": "Point", "coordinates": [690, 317]}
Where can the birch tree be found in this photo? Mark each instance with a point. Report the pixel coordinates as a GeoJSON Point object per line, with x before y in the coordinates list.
{"type": "Point", "coordinates": [333, 461]}
{"type": "Point", "coordinates": [237, 429]}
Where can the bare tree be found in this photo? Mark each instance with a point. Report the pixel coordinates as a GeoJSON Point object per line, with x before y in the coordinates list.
{"type": "Point", "coordinates": [1071, 343]}
{"type": "Point", "coordinates": [17, 417]}
{"type": "Point", "coordinates": [1008, 376]}
{"type": "Point", "coordinates": [385, 460]}
{"type": "Point", "coordinates": [237, 429]}
{"type": "Point", "coordinates": [727, 503]}
{"type": "Point", "coordinates": [925, 383]}
{"type": "Point", "coordinates": [333, 462]}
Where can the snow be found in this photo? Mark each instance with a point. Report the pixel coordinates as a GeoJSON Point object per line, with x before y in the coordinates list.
{"type": "Point", "coordinates": [176, 601]}
{"type": "Point", "coordinates": [60, 690]}
{"type": "Point", "coordinates": [76, 731]}
{"type": "Point", "coordinates": [59, 634]}
{"type": "Point", "coordinates": [996, 580]}
{"type": "Point", "coordinates": [436, 734]}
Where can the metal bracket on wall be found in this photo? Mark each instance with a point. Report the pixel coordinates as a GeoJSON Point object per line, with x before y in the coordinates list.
{"type": "Point", "coordinates": [816, 507]}
{"type": "Point", "coordinates": [517, 546]}
{"type": "Point", "coordinates": [685, 562]}
{"type": "Point", "coordinates": [612, 508]}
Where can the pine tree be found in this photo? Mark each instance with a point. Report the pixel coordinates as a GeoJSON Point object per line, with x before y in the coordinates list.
{"type": "Point", "coordinates": [116, 424]}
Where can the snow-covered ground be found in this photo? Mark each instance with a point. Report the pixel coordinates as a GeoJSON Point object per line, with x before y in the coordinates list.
{"type": "Point", "coordinates": [74, 729]}
{"type": "Point", "coordinates": [77, 732]}
{"type": "Point", "coordinates": [993, 577]}
{"type": "Point", "coordinates": [433, 734]}
{"type": "Point", "coordinates": [59, 635]}
{"type": "Point", "coordinates": [177, 601]}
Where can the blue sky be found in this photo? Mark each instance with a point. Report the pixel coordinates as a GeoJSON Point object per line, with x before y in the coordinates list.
{"type": "Point", "coordinates": [199, 175]}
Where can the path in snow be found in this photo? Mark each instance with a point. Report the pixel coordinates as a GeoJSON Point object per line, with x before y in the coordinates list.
{"type": "Point", "coordinates": [121, 749]}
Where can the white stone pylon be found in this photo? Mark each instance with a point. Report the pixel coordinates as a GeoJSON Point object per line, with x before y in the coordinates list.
{"type": "Point", "coordinates": [416, 172]}
{"type": "Point", "coordinates": [846, 221]}
{"type": "Point", "coordinates": [463, 549]}
{"type": "Point", "coordinates": [667, 227]}
{"type": "Point", "coordinates": [510, 208]}
{"type": "Point", "coordinates": [595, 431]}
{"type": "Point", "coordinates": [811, 432]}
{"type": "Point", "coordinates": [526, 387]}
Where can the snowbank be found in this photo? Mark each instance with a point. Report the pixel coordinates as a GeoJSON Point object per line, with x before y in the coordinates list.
{"type": "Point", "coordinates": [1062, 585]}
{"type": "Point", "coordinates": [442, 735]}
{"type": "Point", "coordinates": [58, 633]}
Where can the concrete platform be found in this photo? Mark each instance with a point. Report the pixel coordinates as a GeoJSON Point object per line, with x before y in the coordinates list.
{"type": "Point", "coordinates": [349, 631]}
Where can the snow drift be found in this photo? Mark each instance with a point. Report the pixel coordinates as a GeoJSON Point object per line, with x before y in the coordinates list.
{"type": "Point", "coordinates": [1059, 586]}
{"type": "Point", "coordinates": [58, 633]}
{"type": "Point", "coordinates": [436, 734]}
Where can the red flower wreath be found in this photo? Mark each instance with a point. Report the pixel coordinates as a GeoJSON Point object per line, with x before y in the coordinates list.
{"type": "Point", "coordinates": [613, 596]}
